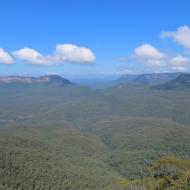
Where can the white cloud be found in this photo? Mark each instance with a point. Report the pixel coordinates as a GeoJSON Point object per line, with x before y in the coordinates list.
{"type": "Point", "coordinates": [5, 58]}
{"type": "Point", "coordinates": [179, 60]}
{"type": "Point", "coordinates": [30, 55]}
{"type": "Point", "coordinates": [64, 53]}
{"type": "Point", "coordinates": [179, 68]}
{"type": "Point", "coordinates": [74, 54]}
{"type": "Point", "coordinates": [152, 59]}
{"type": "Point", "coordinates": [155, 62]}
{"type": "Point", "coordinates": [147, 51]}
{"type": "Point", "coordinates": [181, 36]}
{"type": "Point", "coordinates": [149, 55]}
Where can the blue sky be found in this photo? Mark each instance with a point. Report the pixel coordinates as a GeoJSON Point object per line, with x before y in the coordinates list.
{"type": "Point", "coordinates": [94, 37]}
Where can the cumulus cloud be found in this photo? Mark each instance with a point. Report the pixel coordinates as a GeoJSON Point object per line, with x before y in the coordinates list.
{"type": "Point", "coordinates": [179, 69]}
{"type": "Point", "coordinates": [147, 51]}
{"type": "Point", "coordinates": [179, 63]}
{"type": "Point", "coordinates": [148, 54]}
{"type": "Point", "coordinates": [30, 55]}
{"type": "Point", "coordinates": [74, 54]}
{"type": "Point", "coordinates": [179, 60]}
{"type": "Point", "coordinates": [153, 58]}
{"type": "Point", "coordinates": [181, 36]}
{"type": "Point", "coordinates": [64, 53]}
{"type": "Point", "coordinates": [5, 58]}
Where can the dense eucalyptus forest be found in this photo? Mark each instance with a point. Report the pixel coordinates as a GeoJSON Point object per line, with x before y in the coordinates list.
{"type": "Point", "coordinates": [132, 135]}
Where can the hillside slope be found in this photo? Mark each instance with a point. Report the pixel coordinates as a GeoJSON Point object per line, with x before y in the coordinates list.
{"type": "Point", "coordinates": [72, 137]}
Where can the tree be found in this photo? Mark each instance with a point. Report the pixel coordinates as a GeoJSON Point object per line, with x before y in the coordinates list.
{"type": "Point", "coordinates": [169, 173]}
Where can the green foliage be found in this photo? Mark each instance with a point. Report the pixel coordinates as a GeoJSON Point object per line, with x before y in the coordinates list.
{"type": "Point", "coordinates": [26, 164]}
{"type": "Point", "coordinates": [76, 138]}
{"type": "Point", "coordinates": [168, 173]}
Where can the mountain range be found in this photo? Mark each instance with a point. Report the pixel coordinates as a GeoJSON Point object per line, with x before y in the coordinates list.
{"type": "Point", "coordinates": [47, 79]}
{"type": "Point", "coordinates": [169, 80]}
{"type": "Point", "coordinates": [182, 81]}
{"type": "Point", "coordinates": [56, 135]}
{"type": "Point", "coordinates": [148, 79]}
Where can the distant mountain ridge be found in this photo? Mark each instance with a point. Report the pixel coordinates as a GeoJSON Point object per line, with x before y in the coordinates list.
{"type": "Point", "coordinates": [46, 79]}
{"type": "Point", "coordinates": [147, 79]}
{"type": "Point", "coordinates": [180, 82]}
{"type": "Point", "coordinates": [155, 80]}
